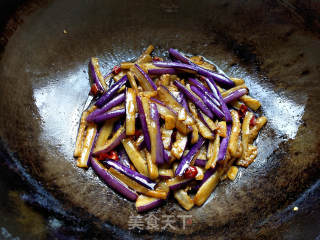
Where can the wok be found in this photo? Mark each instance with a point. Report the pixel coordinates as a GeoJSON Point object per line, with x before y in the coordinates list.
{"type": "Point", "coordinates": [273, 45]}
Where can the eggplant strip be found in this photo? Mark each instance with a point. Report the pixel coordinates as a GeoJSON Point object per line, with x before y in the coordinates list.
{"type": "Point", "coordinates": [232, 173]}
{"type": "Point", "coordinates": [132, 174]}
{"type": "Point", "coordinates": [81, 131]}
{"type": "Point", "coordinates": [130, 112]}
{"type": "Point", "coordinates": [166, 173]}
{"type": "Point", "coordinates": [167, 114]}
{"type": "Point", "coordinates": [113, 113]}
{"type": "Point", "coordinates": [145, 203]}
{"type": "Point", "coordinates": [149, 49]}
{"type": "Point", "coordinates": [252, 103]}
{"type": "Point", "coordinates": [202, 71]}
{"type": "Point", "coordinates": [177, 182]}
{"type": "Point", "coordinates": [111, 92]}
{"type": "Point", "coordinates": [231, 90]}
{"type": "Point", "coordinates": [189, 94]}
{"type": "Point", "coordinates": [209, 123]}
{"type": "Point", "coordinates": [245, 131]}
{"type": "Point", "coordinates": [248, 157]}
{"type": "Point", "coordinates": [213, 152]}
{"type": "Point", "coordinates": [179, 145]}
{"type": "Point", "coordinates": [132, 81]}
{"type": "Point", "coordinates": [118, 100]}
{"type": "Point", "coordinates": [152, 167]}
{"type": "Point", "coordinates": [139, 143]}
{"type": "Point", "coordinates": [260, 122]}
{"type": "Point", "coordinates": [183, 199]}
{"type": "Point", "coordinates": [112, 181]}
{"type": "Point", "coordinates": [186, 160]}
{"type": "Point", "coordinates": [112, 143]}
{"type": "Point", "coordinates": [126, 65]}
{"type": "Point", "coordinates": [143, 78]}
{"type": "Point", "coordinates": [143, 115]}
{"type": "Point", "coordinates": [166, 136]}
{"type": "Point", "coordinates": [88, 142]}
{"type": "Point", "coordinates": [105, 133]}
{"type": "Point", "coordinates": [198, 84]}
{"type": "Point", "coordinates": [207, 187]}
{"type": "Point", "coordinates": [152, 117]}
{"type": "Point", "coordinates": [235, 132]}
{"type": "Point", "coordinates": [235, 95]}
{"type": "Point", "coordinates": [237, 81]}
{"type": "Point", "coordinates": [214, 89]}
{"type": "Point", "coordinates": [195, 134]}
{"type": "Point", "coordinates": [205, 97]}
{"type": "Point", "coordinates": [96, 74]}
{"type": "Point", "coordinates": [138, 161]}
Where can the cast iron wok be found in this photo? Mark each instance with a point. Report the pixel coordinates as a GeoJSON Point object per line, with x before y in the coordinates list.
{"type": "Point", "coordinates": [273, 45]}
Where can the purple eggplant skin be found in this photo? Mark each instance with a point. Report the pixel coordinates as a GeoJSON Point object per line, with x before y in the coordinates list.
{"type": "Point", "coordinates": [224, 144]}
{"type": "Point", "coordinates": [146, 76]}
{"type": "Point", "coordinates": [176, 65]}
{"type": "Point", "coordinates": [108, 75]}
{"type": "Point", "coordinates": [213, 88]}
{"type": "Point", "coordinates": [149, 206]}
{"type": "Point", "coordinates": [114, 144]}
{"type": "Point", "coordinates": [123, 157]}
{"type": "Point", "coordinates": [173, 59]}
{"type": "Point", "coordinates": [198, 84]}
{"type": "Point", "coordinates": [217, 111]}
{"type": "Point", "coordinates": [205, 98]}
{"type": "Point", "coordinates": [223, 80]}
{"type": "Point", "coordinates": [164, 177]}
{"type": "Point", "coordinates": [224, 107]}
{"type": "Point", "coordinates": [117, 125]}
{"type": "Point", "coordinates": [108, 115]}
{"type": "Point", "coordinates": [97, 78]}
{"type": "Point", "coordinates": [111, 92]}
{"type": "Point", "coordinates": [160, 71]}
{"type": "Point", "coordinates": [206, 176]}
{"type": "Point", "coordinates": [235, 95]}
{"type": "Point", "coordinates": [200, 162]}
{"type": "Point", "coordinates": [143, 123]}
{"type": "Point", "coordinates": [180, 184]}
{"type": "Point", "coordinates": [114, 102]}
{"type": "Point", "coordinates": [183, 101]}
{"type": "Point", "coordinates": [179, 56]}
{"type": "Point", "coordinates": [171, 95]}
{"type": "Point", "coordinates": [112, 181]}
{"type": "Point", "coordinates": [193, 98]}
{"type": "Point", "coordinates": [164, 105]}
{"type": "Point", "coordinates": [137, 177]}
{"type": "Point", "coordinates": [154, 116]}
{"type": "Point", "coordinates": [186, 160]}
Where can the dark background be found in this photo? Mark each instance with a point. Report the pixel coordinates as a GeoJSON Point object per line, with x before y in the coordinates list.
{"type": "Point", "coordinates": [23, 212]}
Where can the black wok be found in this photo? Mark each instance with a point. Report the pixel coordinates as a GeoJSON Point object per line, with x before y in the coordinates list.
{"type": "Point", "coordinates": [273, 45]}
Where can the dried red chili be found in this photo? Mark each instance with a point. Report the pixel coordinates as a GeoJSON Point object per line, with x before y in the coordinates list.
{"type": "Point", "coordinates": [94, 89]}
{"type": "Point", "coordinates": [109, 155]}
{"type": "Point", "coordinates": [191, 172]}
{"type": "Point", "coordinates": [116, 70]}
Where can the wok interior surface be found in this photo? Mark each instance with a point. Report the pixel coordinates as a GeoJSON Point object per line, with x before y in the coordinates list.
{"type": "Point", "coordinates": [44, 85]}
